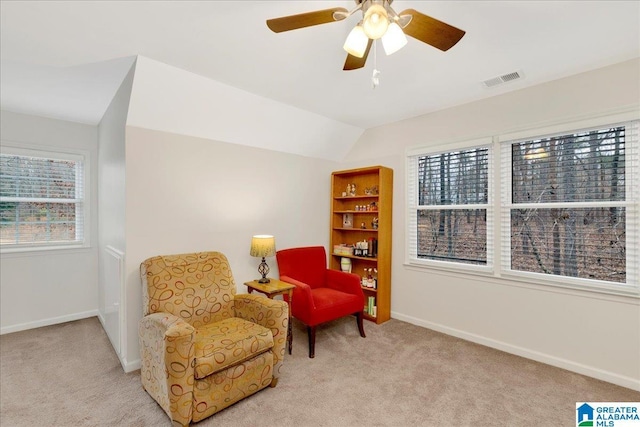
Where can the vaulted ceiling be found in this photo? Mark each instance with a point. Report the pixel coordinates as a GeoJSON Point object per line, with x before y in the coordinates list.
{"type": "Point", "coordinates": [65, 59]}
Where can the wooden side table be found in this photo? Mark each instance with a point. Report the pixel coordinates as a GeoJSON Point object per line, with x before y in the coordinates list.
{"type": "Point", "coordinates": [271, 289]}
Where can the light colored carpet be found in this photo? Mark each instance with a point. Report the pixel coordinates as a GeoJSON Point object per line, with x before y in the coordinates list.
{"type": "Point", "coordinates": [400, 375]}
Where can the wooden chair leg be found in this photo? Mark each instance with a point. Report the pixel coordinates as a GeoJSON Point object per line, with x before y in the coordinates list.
{"type": "Point", "coordinates": [311, 331]}
{"type": "Point", "coordinates": [359, 317]}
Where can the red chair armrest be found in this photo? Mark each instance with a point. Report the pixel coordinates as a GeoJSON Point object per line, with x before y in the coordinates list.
{"type": "Point", "coordinates": [345, 282]}
{"type": "Point", "coordinates": [301, 294]}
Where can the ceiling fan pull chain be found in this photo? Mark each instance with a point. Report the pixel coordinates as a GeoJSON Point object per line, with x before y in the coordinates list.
{"type": "Point", "coordinates": [375, 78]}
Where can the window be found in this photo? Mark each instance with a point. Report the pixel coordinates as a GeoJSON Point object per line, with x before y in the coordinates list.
{"type": "Point", "coordinates": [567, 212]}
{"type": "Point", "coordinates": [569, 207]}
{"type": "Point", "coordinates": [450, 206]}
{"type": "Point", "coordinates": [42, 199]}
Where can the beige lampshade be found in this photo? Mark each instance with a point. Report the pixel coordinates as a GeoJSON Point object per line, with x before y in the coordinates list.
{"type": "Point", "coordinates": [263, 245]}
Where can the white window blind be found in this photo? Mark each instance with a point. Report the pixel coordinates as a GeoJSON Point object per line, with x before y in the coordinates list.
{"type": "Point", "coordinates": [449, 214]}
{"type": "Point", "coordinates": [42, 199]}
{"type": "Point", "coordinates": [569, 206]}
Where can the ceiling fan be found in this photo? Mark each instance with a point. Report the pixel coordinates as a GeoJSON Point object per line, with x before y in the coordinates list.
{"type": "Point", "coordinates": [379, 21]}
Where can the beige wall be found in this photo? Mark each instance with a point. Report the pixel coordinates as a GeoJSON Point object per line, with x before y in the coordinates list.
{"type": "Point", "coordinates": [187, 194]}
{"type": "Point", "coordinates": [47, 287]}
{"type": "Point", "coordinates": [571, 329]}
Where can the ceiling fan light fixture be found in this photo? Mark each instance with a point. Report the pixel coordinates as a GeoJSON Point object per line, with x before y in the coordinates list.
{"type": "Point", "coordinates": [376, 21]}
{"type": "Point", "coordinates": [394, 39]}
{"type": "Point", "coordinates": [357, 41]}
{"type": "Point", "coordinates": [378, 18]}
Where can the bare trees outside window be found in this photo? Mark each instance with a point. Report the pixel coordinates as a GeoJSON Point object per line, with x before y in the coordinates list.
{"type": "Point", "coordinates": [568, 211]}
{"type": "Point", "coordinates": [452, 206]}
{"type": "Point", "coordinates": [567, 217]}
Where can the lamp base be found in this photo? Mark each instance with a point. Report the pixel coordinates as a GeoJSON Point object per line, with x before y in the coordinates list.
{"type": "Point", "coordinates": [263, 269]}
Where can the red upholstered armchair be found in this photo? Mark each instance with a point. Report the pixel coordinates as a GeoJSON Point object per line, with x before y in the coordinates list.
{"type": "Point", "coordinates": [320, 294]}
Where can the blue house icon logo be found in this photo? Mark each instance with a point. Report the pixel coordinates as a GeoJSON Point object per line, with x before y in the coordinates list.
{"type": "Point", "coordinates": [585, 416]}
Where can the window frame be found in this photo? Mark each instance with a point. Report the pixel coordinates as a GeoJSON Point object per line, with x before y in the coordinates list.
{"type": "Point", "coordinates": [501, 229]}
{"type": "Point", "coordinates": [83, 156]}
{"type": "Point", "coordinates": [413, 206]}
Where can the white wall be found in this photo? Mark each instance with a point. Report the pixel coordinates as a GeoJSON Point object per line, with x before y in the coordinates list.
{"type": "Point", "coordinates": [47, 287]}
{"type": "Point", "coordinates": [187, 194]}
{"type": "Point", "coordinates": [593, 334]}
{"type": "Point", "coordinates": [111, 209]}
{"type": "Point", "coordinates": [173, 100]}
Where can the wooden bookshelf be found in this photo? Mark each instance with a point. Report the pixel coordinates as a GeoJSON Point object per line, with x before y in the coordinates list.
{"type": "Point", "coordinates": [372, 202]}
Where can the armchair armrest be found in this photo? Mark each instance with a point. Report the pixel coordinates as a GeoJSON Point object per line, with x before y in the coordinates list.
{"type": "Point", "coordinates": [270, 313]}
{"type": "Point", "coordinates": [167, 353]}
{"type": "Point", "coordinates": [345, 282]}
{"type": "Point", "coordinates": [301, 295]}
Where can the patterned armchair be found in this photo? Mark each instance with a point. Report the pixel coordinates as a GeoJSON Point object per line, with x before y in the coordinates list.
{"type": "Point", "coordinates": [203, 347]}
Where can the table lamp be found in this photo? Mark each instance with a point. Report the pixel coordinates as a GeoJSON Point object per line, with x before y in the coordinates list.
{"type": "Point", "coordinates": [263, 245]}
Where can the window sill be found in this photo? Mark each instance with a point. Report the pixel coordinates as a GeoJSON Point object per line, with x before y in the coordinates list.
{"type": "Point", "coordinates": [631, 296]}
{"type": "Point", "coordinates": [42, 250]}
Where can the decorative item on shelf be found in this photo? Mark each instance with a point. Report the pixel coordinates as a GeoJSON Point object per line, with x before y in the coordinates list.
{"type": "Point", "coordinates": [372, 247]}
{"type": "Point", "coordinates": [363, 226]}
{"type": "Point", "coordinates": [374, 223]}
{"type": "Point", "coordinates": [345, 265]}
{"type": "Point", "coordinates": [347, 220]}
{"type": "Point", "coordinates": [371, 191]}
{"type": "Point", "coordinates": [263, 245]}
{"type": "Point", "coordinates": [368, 279]}
{"type": "Point", "coordinates": [352, 190]}
{"type": "Point", "coordinates": [373, 206]}
{"type": "Point", "coordinates": [362, 249]}
{"type": "Point", "coordinates": [343, 249]}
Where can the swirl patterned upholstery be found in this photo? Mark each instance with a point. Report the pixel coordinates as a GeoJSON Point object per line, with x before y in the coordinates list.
{"type": "Point", "coordinates": [203, 347]}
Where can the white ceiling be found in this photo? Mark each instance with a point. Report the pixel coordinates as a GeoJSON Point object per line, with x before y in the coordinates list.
{"type": "Point", "coordinates": [66, 59]}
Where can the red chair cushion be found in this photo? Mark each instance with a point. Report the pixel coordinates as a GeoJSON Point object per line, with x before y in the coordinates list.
{"type": "Point", "coordinates": [331, 304]}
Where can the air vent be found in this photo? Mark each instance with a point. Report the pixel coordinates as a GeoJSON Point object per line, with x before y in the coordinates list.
{"type": "Point", "coordinates": [509, 77]}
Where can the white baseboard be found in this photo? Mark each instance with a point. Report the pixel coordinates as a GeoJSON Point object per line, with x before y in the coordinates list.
{"type": "Point", "coordinates": [126, 366]}
{"type": "Point", "coordinates": [47, 322]}
{"type": "Point", "coordinates": [130, 366]}
{"type": "Point", "coordinates": [558, 362]}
